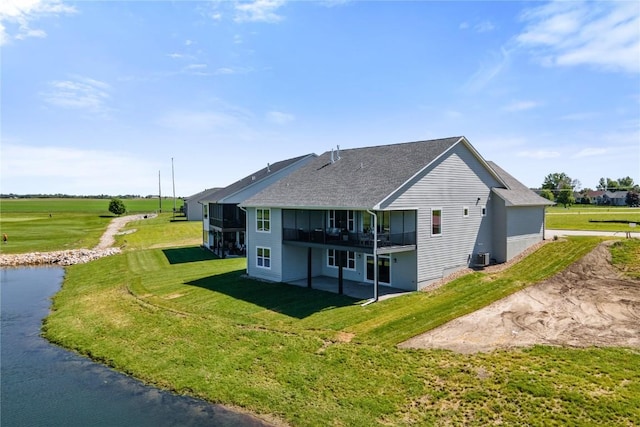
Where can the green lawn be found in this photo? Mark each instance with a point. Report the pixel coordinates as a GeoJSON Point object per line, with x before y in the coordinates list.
{"type": "Point", "coordinates": [578, 217]}
{"type": "Point", "coordinates": [42, 225]}
{"type": "Point", "coordinates": [181, 319]}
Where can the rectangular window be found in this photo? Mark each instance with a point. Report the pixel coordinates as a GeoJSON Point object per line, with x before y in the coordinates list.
{"type": "Point", "coordinates": [465, 211]}
{"type": "Point", "coordinates": [484, 211]}
{"type": "Point", "coordinates": [263, 220]}
{"type": "Point", "coordinates": [342, 220]}
{"type": "Point", "coordinates": [333, 261]}
{"type": "Point", "coordinates": [263, 257]}
{"type": "Point", "coordinates": [436, 222]}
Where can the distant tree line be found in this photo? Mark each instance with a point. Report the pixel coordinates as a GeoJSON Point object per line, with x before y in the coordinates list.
{"type": "Point", "coordinates": [560, 188]}
{"type": "Point", "coordinates": [72, 196]}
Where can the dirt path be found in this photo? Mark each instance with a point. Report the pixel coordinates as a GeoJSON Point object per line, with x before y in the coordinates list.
{"type": "Point", "coordinates": [108, 237]}
{"type": "Point", "coordinates": [588, 304]}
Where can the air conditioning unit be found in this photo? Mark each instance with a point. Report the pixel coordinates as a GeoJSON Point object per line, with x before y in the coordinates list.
{"type": "Point", "coordinates": [484, 259]}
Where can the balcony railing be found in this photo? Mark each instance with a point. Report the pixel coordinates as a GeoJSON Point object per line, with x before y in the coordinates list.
{"type": "Point", "coordinates": [346, 238]}
{"type": "Point", "coordinates": [226, 223]}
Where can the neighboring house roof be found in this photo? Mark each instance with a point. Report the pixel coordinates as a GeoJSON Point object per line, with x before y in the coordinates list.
{"type": "Point", "coordinates": [616, 194]}
{"type": "Point", "coordinates": [592, 193]}
{"type": "Point", "coordinates": [249, 180]}
{"type": "Point", "coordinates": [361, 178]}
{"type": "Point", "coordinates": [516, 193]}
{"type": "Point", "coordinates": [203, 194]}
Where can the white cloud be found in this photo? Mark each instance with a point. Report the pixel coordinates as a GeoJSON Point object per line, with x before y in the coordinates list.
{"type": "Point", "coordinates": [539, 154]}
{"type": "Point", "coordinates": [589, 152]}
{"type": "Point", "coordinates": [196, 67]}
{"type": "Point", "coordinates": [521, 106]}
{"type": "Point", "coordinates": [51, 169]}
{"type": "Point", "coordinates": [579, 116]}
{"type": "Point", "coordinates": [232, 70]}
{"type": "Point", "coordinates": [484, 27]}
{"type": "Point", "coordinates": [481, 27]}
{"type": "Point", "coordinates": [488, 71]}
{"type": "Point", "coordinates": [17, 16]}
{"type": "Point", "coordinates": [79, 93]}
{"type": "Point", "coordinates": [202, 121]}
{"type": "Point", "coordinates": [279, 117]}
{"type": "Point", "coordinates": [258, 11]}
{"type": "Point", "coordinates": [605, 35]}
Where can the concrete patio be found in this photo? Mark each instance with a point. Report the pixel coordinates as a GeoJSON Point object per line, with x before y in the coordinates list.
{"type": "Point", "coordinates": [358, 290]}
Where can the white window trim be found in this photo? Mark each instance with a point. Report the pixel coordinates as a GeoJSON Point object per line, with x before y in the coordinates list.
{"type": "Point", "coordinates": [335, 261]}
{"type": "Point", "coordinates": [263, 257]}
{"type": "Point", "coordinates": [465, 211]}
{"type": "Point", "coordinates": [258, 229]}
{"type": "Point", "coordinates": [441, 225]}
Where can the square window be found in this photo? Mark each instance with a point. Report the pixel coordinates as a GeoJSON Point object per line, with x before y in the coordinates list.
{"type": "Point", "coordinates": [263, 257]}
{"type": "Point", "coordinates": [263, 220]}
{"type": "Point", "coordinates": [465, 211]}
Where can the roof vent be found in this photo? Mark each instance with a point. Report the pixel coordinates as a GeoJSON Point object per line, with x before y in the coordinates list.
{"type": "Point", "coordinates": [253, 178]}
{"type": "Point", "coordinates": [268, 167]}
{"type": "Point", "coordinates": [338, 153]}
{"type": "Point", "coordinates": [332, 159]}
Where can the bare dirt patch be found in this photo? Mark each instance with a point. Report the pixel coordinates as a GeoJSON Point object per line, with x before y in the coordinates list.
{"type": "Point", "coordinates": [588, 304]}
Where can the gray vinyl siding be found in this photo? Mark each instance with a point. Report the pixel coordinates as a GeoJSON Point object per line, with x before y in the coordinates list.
{"type": "Point", "coordinates": [524, 228]}
{"type": "Point", "coordinates": [403, 270]}
{"type": "Point", "coordinates": [499, 220]}
{"type": "Point", "coordinates": [456, 180]}
{"type": "Point", "coordinates": [272, 240]}
{"type": "Point", "coordinates": [294, 263]}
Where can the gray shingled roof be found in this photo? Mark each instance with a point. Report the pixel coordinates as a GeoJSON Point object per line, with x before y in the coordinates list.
{"type": "Point", "coordinates": [251, 179]}
{"type": "Point", "coordinates": [202, 195]}
{"type": "Point", "coordinates": [517, 194]}
{"type": "Point", "coordinates": [360, 179]}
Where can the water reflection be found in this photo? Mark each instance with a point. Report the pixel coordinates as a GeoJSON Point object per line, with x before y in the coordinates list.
{"type": "Point", "coordinates": [44, 385]}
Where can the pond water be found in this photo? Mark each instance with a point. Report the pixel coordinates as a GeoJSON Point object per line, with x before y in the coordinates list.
{"type": "Point", "coordinates": [45, 385]}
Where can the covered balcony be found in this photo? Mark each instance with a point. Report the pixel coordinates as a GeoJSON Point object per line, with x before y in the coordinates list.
{"type": "Point", "coordinates": [350, 229]}
{"type": "Point", "coordinates": [227, 217]}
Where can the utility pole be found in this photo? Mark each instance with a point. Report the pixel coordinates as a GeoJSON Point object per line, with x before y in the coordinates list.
{"type": "Point", "coordinates": [174, 190]}
{"type": "Point", "coordinates": [159, 192]}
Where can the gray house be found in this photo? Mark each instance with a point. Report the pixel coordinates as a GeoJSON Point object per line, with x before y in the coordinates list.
{"type": "Point", "coordinates": [615, 198]}
{"type": "Point", "coordinates": [401, 215]}
{"type": "Point", "coordinates": [223, 222]}
{"type": "Point", "coordinates": [192, 206]}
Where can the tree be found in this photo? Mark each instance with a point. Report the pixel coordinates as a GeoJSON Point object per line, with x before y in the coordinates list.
{"type": "Point", "coordinates": [565, 197]}
{"type": "Point", "coordinates": [625, 183]}
{"type": "Point", "coordinates": [556, 181]}
{"type": "Point", "coordinates": [632, 199]}
{"type": "Point", "coordinates": [116, 207]}
{"type": "Point", "coordinates": [547, 194]}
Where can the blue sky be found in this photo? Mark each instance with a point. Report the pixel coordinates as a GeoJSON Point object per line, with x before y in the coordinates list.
{"type": "Point", "coordinates": [98, 96]}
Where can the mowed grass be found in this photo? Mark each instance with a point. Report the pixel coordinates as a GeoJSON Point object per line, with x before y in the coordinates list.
{"type": "Point", "coordinates": [181, 319]}
{"type": "Point", "coordinates": [42, 225]}
{"type": "Point", "coordinates": [579, 217]}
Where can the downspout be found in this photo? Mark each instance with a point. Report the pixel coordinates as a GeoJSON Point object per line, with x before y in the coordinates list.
{"type": "Point", "coordinates": [246, 237]}
{"type": "Point", "coordinates": [375, 259]}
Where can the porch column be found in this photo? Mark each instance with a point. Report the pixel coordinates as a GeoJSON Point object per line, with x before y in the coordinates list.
{"type": "Point", "coordinates": [341, 262]}
{"type": "Point", "coordinates": [309, 268]}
